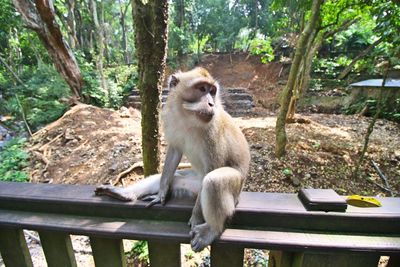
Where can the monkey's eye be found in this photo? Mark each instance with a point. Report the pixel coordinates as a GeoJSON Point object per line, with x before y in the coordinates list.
{"type": "Point", "coordinates": [202, 89]}
{"type": "Point", "coordinates": [213, 90]}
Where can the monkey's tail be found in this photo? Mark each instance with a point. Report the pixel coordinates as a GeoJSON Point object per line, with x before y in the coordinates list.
{"type": "Point", "coordinates": [148, 186]}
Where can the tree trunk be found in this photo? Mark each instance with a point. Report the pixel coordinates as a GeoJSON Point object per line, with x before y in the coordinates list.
{"type": "Point", "coordinates": [40, 17]}
{"type": "Point", "coordinates": [301, 78]}
{"type": "Point", "coordinates": [100, 45]}
{"type": "Point", "coordinates": [280, 132]}
{"type": "Point", "coordinates": [73, 40]}
{"type": "Point", "coordinates": [150, 21]}
{"type": "Point", "coordinates": [124, 41]}
{"type": "Point", "coordinates": [313, 47]}
{"type": "Point", "coordinates": [371, 126]}
{"type": "Point", "coordinates": [363, 53]}
{"type": "Point", "coordinates": [179, 22]}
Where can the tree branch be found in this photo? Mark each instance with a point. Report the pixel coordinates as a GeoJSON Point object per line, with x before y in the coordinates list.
{"type": "Point", "coordinates": [28, 12]}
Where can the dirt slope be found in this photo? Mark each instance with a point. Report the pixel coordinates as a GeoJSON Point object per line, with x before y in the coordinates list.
{"type": "Point", "coordinates": [88, 145]}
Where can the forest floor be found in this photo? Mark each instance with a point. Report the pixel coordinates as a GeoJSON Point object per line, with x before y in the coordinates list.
{"type": "Point", "coordinates": [91, 145]}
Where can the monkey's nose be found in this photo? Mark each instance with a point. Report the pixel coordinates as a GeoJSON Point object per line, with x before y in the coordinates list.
{"type": "Point", "coordinates": [210, 104]}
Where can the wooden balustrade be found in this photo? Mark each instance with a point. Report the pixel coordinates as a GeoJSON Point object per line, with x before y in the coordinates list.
{"type": "Point", "coordinates": [274, 221]}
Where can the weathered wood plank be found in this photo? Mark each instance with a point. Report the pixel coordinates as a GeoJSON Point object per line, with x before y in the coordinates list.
{"type": "Point", "coordinates": [313, 241]}
{"type": "Point", "coordinates": [226, 255]}
{"type": "Point", "coordinates": [97, 226]}
{"type": "Point", "coordinates": [57, 248]}
{"type": "Point", "coordinates": [164, 254]}
{"type": "Point", "coordinates": [254, 209]}
{"type": "Point", "coordinates": [108, 252]}
{"type": "Point", "coordinates": [13, 248]}
{"type": "Point", "coordinates": [179, 232]}
{"type": "Point", "coordinates": [334, 260]}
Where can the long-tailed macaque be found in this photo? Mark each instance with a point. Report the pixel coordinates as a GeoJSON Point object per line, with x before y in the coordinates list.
{"type": "Point", "coordinates": [196, 125]}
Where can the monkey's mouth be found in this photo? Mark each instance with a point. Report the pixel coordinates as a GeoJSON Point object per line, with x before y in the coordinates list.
{"type": "Point", "coordinates": [205, 116]}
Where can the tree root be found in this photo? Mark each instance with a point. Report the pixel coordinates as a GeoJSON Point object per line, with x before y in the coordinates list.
{"type": "Point", "coordinates": [127, 171]}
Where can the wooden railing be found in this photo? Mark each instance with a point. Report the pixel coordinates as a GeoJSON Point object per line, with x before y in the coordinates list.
{"type": "Point", "coordinates": [273, 221]}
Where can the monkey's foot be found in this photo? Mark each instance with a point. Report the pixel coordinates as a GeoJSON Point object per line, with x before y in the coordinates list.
{"type": "Point", "coordinates": [111, 191]}
{"type": "Point", "coordinates": [202, 235]}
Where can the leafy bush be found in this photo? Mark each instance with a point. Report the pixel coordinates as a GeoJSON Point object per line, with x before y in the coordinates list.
{"type": "Point", "coordinates": [390, 111]}
{"type": "Point", "coordinates": [120, 81]}
{"type": "Point", "coordinates": [92, 91]}
{"type": "Point", "coordinates": [13, 159]}
{"type": "Point", "coordinates": [139, 254]}
{"type": "Point", "coordinates": [40, 98]}
{"type": "Point", "coordinates": [262, 46]}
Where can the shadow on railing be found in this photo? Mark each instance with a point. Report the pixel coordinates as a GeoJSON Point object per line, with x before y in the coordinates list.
{"type": "Point", "coordinates": [273, 221]}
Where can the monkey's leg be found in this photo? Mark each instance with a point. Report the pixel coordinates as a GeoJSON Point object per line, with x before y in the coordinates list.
{"type": "Point", "coordinates": [147, 186]}
{"type": "Point", "coordinates": [218, 197]}
{"type": "Point", "coordinates": [197, 215]}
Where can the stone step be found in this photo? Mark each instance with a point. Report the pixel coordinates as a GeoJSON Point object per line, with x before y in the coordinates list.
{"type": "Point", "coordinates": [225, 98]}
{"type": "Point", "coordinates": [236, 101]}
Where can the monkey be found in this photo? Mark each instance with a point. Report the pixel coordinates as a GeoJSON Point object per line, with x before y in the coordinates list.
{"type": "Point", "coordinates": [196, 125]}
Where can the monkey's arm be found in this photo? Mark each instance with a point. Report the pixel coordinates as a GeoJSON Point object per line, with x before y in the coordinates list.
{"type": "Point", "coordinates": [172, 160]}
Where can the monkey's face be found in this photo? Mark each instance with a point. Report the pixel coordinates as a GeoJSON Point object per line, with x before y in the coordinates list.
{"type": "Point", "coordinates": [197, 92]}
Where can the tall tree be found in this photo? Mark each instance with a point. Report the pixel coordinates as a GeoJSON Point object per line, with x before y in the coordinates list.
{"type": "Point", "coordinates": [73, 40]}
{"type": "Point", "coordinates": [40, 17]}
{"type": "Point", "coordinates": [150, 19]}
{"type": "Point", "coordinates": [287, 93]}
{"type": "Point", "coordinates": [99, 29]}
{"type": "Point", "coordinates": [123, 8]}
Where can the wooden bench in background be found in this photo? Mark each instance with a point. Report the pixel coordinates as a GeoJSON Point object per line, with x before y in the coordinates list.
{"type": "Point", "coordinates": [274, 221]}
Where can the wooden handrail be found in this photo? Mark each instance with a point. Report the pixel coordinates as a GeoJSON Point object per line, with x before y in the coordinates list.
{"type": "Point", "coordinates": [273, 221]}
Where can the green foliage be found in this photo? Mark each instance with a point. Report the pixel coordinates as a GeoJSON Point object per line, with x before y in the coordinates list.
{"type": "Point", "coordinates": [120, 81]}
{"type": "Point", "coordinates": [41, 97]}
{"type": "Point", "coordinates": [262, 46]}
{"type": "Point", "coordinates": [140, 253]}
{"type": "Point", "coordinates": [13, 159]}
{"type": "Point", "coordinates": [329, 67]}
{"type": "Point", "coordinates": [287, 172]}
{"type": "Point", "coordinates": [390, 108]}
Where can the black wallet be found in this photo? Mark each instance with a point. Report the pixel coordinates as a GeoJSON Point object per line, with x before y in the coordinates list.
{"type": "Point", "coordinates": [322, 200]}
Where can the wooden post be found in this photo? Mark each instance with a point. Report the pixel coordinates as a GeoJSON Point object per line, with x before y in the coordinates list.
{"type": "Point", "coordinates": [13, 248]}
{"type": "Point", "coordinates": [108, 252]}
{"type": "Point", "coordinates": [57, 248]}
{"type": "Point", "coordinates": [334, 260]}
{"type": "Point", "coordinates": [164, 254]}
{"type": "Point", "coordinates": [278, 258]}
{"type": "Point", "coordinates": [226, 255]}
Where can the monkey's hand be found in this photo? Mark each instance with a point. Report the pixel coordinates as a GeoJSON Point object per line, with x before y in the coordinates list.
{"type": "Point", "coordinates": [159, 198]}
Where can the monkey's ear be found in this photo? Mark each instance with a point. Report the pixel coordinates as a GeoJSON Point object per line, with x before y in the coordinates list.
{"type": "Point", "coordinates": [172, 81]}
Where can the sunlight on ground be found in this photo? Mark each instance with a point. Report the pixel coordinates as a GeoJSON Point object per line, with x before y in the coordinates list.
{"type": "Point", "coordinates": [269, 122]}
{"type": "Point", "coordinates": [262, 122]}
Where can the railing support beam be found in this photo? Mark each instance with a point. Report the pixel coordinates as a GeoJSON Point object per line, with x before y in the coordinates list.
{"type": "Point", "coordinates": [57, 248]}
{"type": "Point", "coordinates": [13, 248]}
{"type": "Point", "coordinates": [226, 255]}
{"type": "Point", "coordinates": [164, 254]}
{"type": "Point", "coordinates": [108, 252]}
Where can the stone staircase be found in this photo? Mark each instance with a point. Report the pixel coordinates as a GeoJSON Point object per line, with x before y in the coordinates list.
{"type": "Point", "coordinates": [237, 101]}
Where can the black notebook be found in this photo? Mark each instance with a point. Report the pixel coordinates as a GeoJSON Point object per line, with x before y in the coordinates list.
{"type": "Point", "coordinates": [322, 199]}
